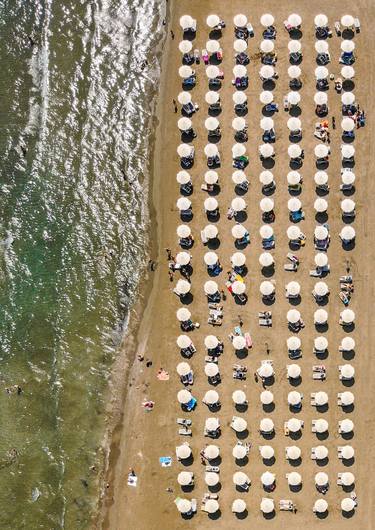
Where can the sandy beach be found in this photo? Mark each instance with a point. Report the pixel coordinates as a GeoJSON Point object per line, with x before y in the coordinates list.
{"type": "Point", "coordinates": [143, 437]}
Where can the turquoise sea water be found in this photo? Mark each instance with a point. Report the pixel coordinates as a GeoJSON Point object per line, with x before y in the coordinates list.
{"type": "Point", "coordinates": [75, 103]}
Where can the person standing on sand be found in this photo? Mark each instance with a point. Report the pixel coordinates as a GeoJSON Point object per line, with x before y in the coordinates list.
{"type": "Point", "coordinates": [172, 35]}
{"type": "Point", "coordinates": [169, 254]}
{"type": "Point", "coordinates": [175, 106]}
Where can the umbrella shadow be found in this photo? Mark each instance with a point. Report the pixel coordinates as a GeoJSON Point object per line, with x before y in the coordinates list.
{"type": "Point", "coordinates": [321, 328]}
{"type": "Point", "coordinates": [239, 245]}
{"type": "Point", "coordinates": [295, 111]}
{"type": "Point", "coordinates": [213, 138]}
{"type": "Point", "coordinates": [348, 85]}
{"type": "Point", "coordinates": [241, 112]}
{"type": "Point", "coordinates": [347, 139]}
{"type": "Point", "coordinates": [189, 34]}
{"type": "Point", "coordinates": [242, 354]}
{"type": "Point", "coordinates": [241, 462]}
{"type": "Point", "coordinates": [322, 515]}
{"type": "Point", "coordinates": [187, 164]}
{"type": "Point", "coordinates": [348, 328]}
{"type": "Point", "coordinates": [268, 191]}
{"type": "Point", "coordinates": [268, 435]}
{"type": "Point", "coordinates": [295, 381]}
{"type": "Point", "coordinates": [295, 34]}
{"type": "Point", "coordinates": [348, 489]}
{"type": "Point", "coordinates": [215, 516]}
{"type": "Point", "coordinates": [241, 407]}
{"type": "Point", "coordinates": [240, 191]}
{"type": "Point", "coordinates": [294, 139]}
{"type": "Point", "coordinates": [242, 435]}
{"type": "Point", "coordinates": [295, 163]}
{"type": "Point", "coordinates": [215, 489]}
{"type": "Point", "coordinates": [348, 163]}
{"type": "Point", "coordinates": [295, 409]}
{"type": "Point", "coordinates": [348, 382]}
{"type": "Point", "coordinates": [268, 163]}
{"type": "Point", "coordinates": [213, 217]}
{"type": "Point", "coordinates": [322, 355]}
{"type": "Point", "coordinates": [269, 84]}
{"type": "Point", "coordinates": [187, 299]}
{"type": "Point", "coordinates": [321, 217]}
{"type": "Point", "coordinates": [348, 462]}
{"type": "Point", "coordinates": [320, 192]}
{"type": "Point", "coordinates": [348, 515]}
{"type": "Point", "coordinates": [269, 516]}
{"type": "Point", "coordinates": [321, 164]}
{"type": "Point", "coordinates": [322, 408]}
{"type": "Point", "coordinates": [214, 243]}
{"type": "Point", "coordinates": [186, 192]}
{"type": "Point", "coordinates": [348, 246]}
{"type": "Point", "coordinates": [268, 272]}
{"type": "Point", "coordinates": [322, 462]}
{"type": "Point", "coordinates": [322, 435]}
{"type": "Point", "coordinates": [347, 220]}
{"type": "Point", "coordinates": [269, 461]}
{"type": "Point", "coordinates": [295, 489]}
{"type": "Point", "coordinates": [240, 301]}
{"type": "Point", "coordinates": [186, 216]}
{"type": "Point", "coordinates": [348, 355]}
{"type": "Point", "coordinates": [296, 462]}
{"type": "Point", "coordinates": [243, 515]}
{"type": "Point", "coordinates": [268, 407]}
{"type": "Point", "coordinates": [347, 435]}
{"type": "Point", "coordinates": [240, 217]}
{"type": "Point", "coordinates": [295, 301]}
{"type": "Point", "coordinates": [266, 112]}
{"type": "Point", "coordinates": [268, 301]}
{"type": "Point", "coordinates": [295, 435]}
{"type": "Point", "coordinates": [187, 489]}
{"type": "Point", "coordinates": [214, 84]}
{"type": "Point", "coordinates": [187, 516]}
{"type": "Point", "coordinates": [187, 137]}
{"type": "Point", "coordinates": [214, 112]}
{"type": "Point", "coordinates": [187, 461]}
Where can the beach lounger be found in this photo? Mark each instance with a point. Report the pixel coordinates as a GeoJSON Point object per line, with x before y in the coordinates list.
{"type": "Point", "coordinates": [249, 341]}
{"type": "Point", "coordinates": [212, 469]}
{"type": "Point", "coordinates": [291, 267]}
{"type": "Point", "coordinates": [357, 25]}
{"type": "Point", "coordinates": [211, 359]}
{"type": "Point", "coordinates": [286, 504]}
{"type": "Point", "coordinates": [184, 432]}
{"type": "Point", "coordinates": [183, 421]}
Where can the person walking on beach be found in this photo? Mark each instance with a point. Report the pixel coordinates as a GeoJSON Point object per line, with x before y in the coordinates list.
{"type": "Point", "coordinates": [169, 254]}
{"type": "Point", "coordinates": [172, 35]}
{"type": "Point", "coordinates": [175, 106]}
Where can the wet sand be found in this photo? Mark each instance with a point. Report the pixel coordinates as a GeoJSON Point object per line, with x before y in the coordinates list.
{"type": "Point", "coordinates": [144, 437]}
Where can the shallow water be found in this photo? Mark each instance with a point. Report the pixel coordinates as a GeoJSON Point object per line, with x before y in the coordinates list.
{"type": "Point", "coordinates": [75, 111]}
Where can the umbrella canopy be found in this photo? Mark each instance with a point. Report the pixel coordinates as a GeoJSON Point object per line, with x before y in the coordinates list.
{"type": "Point", "coordinates": [240, 45]}
{"type": "Point", "coordinates": [321, 151]}
{"type": "Point", "coordinates": [347, 233]}
{"type": "Point", "coordinates": [212, 124]}
{"type": "Point", "coordinates": [294, 424]}
{"type": "Point", "coordinates": [348, 177]}
{"type": "Point", "coordinates": [238, 259]}
{"type": "Point", "coordinates": [238, 231]}
{"type": "Point", "coordinates": [347, 124]}
{"type": "Point", "coordinates": [210, 287]}
{"type": "Point", "coordinates": [347, 205]}
{"type": "Point", "coordinates": [321, 21]}
{"type": "Point", "coordinates": [238, 287]}
{"type": "Point", "coordinates": [266, 398]}
{"type": "Point", "coordinates": [293, 98]}
{"type": "Point", "coordinates": [267, 288]}
{"type": "Point", "coordinates": [320, 98]}
{"type": "Point", "coordinates": [321, 289]}
{"type": "Point", "coordinates": [293, 316]}
{"type": "Point", "coordinates": [347, 398]}
{"type": "Point", "coordinates": [347, 344]}
{"type": "Point", "coordinates": [183, 177]}
{"type": "Point", "coordinates": [239, 97]}
{"type": "Point", "coordinates": [210, 258]}
{"type": "Point", "coordinates": [240, 478]}
{"type": "Point", "coordinates": [266, 150]}
{"type": "Point", "coordinates": [185, 71]}
{"type": "Point", "coordinates": [321, 452]}
{"type": "Point", "coordinates": [293, 452]}
{"type": "Point", "coordinates": [183, 231]}
{"type": "Point", "coordinates": [266, 97]}
{"type": "Point", "coordinates": [294, 124]}
{"type": "Point", "coordinates": [294, 398]}
{"type": "Point", "coordinates": [294, 479]}
{"type": "Point", "coordinates": [267, 505]}
{"type": "Point", "coordinates": [212, 424]}
{"type": "Point", "coordinates": [183, 314]}
{"type": "Point", "coordinates": [212, 506]}
{"type": "Point", "coordinates": [294, 46]}
{"type": "Point", "coordinates": [294, 71]}
{"type": "Point", "coordinates": [320, 232]}
{"type": "Point", "coordinates": [347, 72]}
{"type": "Point", "coordinates": [186, 22]}
{"type": "Point", "coordinates": [321, 399]}
{"type": "Point", "coordinates": [239, 342]}
{"type": "Point", "coordinates": [211, 150]}
{"type": "Point", "coordinates": [266, 204]}
{"type": "Point", "coordinates": [183, 451]}
{"type": "Point", "coordinates": [321, 46]}
{"type": "Point", "coordinates": [266, 231]}
{"type": "Point", "coordinates": [211, 452]}
{"type": "Point", "coordinates": [238, 506]}
{"type": "Point", "coordinates": [320, 205]}
{"type": "Point", "coordinates": [183, 368]}
{"type": "Point", "coordinates": [347, 371]}
{"type": "Point", "coordinates": [211, 204]}
{"type": "Point", "coordinates": [266, 46]}
{"type": "Point", "coordinates": [183, 204]}
{"type": "Point", "coordinates": [239, 424]}
{"type": "Point", "coordinates": [347, 98]}
{"type": "Point", "coordinates": [239, 70]}
{"type": "Point", "coordinates": [320, 178]}
{"type": "Point", "coordinates": [240, 21]}
{"type": "Point", "coordinates": [238, 124]}
{"type": "Point", "coordinates": [294, 20]}
{"type": "Point", "coordinates": [183, 341]}
{"type": "Point", "coordinates": [211, 397]}
{"type": "Point", "coordinates": [347, 452]}
{"type": "Point", "coordinates": [212, 21]}
{"type": "Point", "coordinates": [347, 504]}
{"type": "Point", "coordinates": [267, 478]}
{"type": "Point", "coordinates": [347, 151]}
{"type": "Point", "coordinates": [347, 46]}
{"type": "Point", "coordinates": [293, 371]}
{"type": "Point", "coordinates": [211, 97]}
{"type": "Point", "coordinates": [266, 259]}
{"type": "Point", "coordinates": [347, 21]}
{"type": "Point", "coordinates": [183, 258]}
{"type": "Point", "coordinates": [211, 369]}
{"type": "Point", "coordinates": [267, 20]}
{"type": "Point", "coordinates": [239, 451]}
{"type": "Point", "coordinates": [182, 287]}
{"type": "Point", "coordinates": [183, 506]}
{"type": "Point", "coordinates": [267, 71]}
{"type": "Point", "coordinates": [293, 288]}
{"type": "Point", "coordinates": [238, 150]}
{"type": "Point", "coordinates": [213, 46]}
{"type": "Point", "coordinates": [212, 71]}
{"type": "Point", "coordinates": [294, 151]}
{"type": "Point", "coordinates": [184, 150]}
{"type": "Point", "coordinates": [321, 479]}
{"type": "Point", "coordinates": [294, 204]}
{"type": "Point", "coordinates": [293, 232]}
{"type": "Point", "coordinates": [185, 46]}
{"type": "Point", "coordinates": [320, 316]}
{"type": "Point", "coordinates": [266, 425]}
{"type": "Point", "coordinates": [184, 396]}
{"type": "Point", "coordinates": [321, 506]}
{"type": "Point", "coordinates": [211, 479]}
{"type": "Point", "coordinates": [184, 478]}
{"type": "Point", "coordinates": [239, 177]}
{"type": "Point", "coordinates": [267, 452]}
{"type": "Point", "coordinates": [320, 343]}
{"type": "Point", "coordinates": [347, 426]}
{"type": "Point", "coordinates": [266, 124]}
{"type": "Point", "coordinates": [321, 426]}
{"type": "Point", "coordinates": [239, 397]}
{"type": "Point", "coordinates": [184, 98]}
{"type": "Point", "coordinates": [211, 177]}
{"type": "Point", "coordinates": [238, 204]}
{"type": "Point", "coordinates": [293, 343]}
{"type": "Point", "coordinates": [347, 479]}
{"type": "Point", "coordinates": [347, 316]}
{"type": "Point", "coordinates": [266, 370]}
{"type": "Point", "coordinates": [321, 72]}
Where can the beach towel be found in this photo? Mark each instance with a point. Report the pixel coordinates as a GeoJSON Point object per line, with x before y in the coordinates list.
{"type": "Point", "coordinates": [165, 461]}
{"type": "Point", "coordinates": [132, 480]}
{"type": "Point", "coordinates": [163, 375]}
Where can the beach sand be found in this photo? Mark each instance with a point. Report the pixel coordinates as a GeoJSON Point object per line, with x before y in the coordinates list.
{"type": "Point", "coordinates": [143, 437]}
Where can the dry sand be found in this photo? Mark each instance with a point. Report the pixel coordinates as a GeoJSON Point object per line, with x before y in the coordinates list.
{"type": "Point", "coordinates": [146, 436]}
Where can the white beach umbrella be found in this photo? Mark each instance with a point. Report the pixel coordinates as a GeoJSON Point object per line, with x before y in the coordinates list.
{"type": "Point", "coordinates": [184, 396]}
{"type": "Point", "coordinates": [266, 397]}
{"type": "Point", "coordinates": [320, 98]}
{"type": "Point", "coordinates": [321, 289]}
{"type": "Point", "coordinates": [239, 177]}
{"type": "Point", "coordinates": [293, 98]}
{"type": "Point", "coordinates": [211, 204]}
{"type": "Point", "coordinates": [321, 21]}
{"type": "Point", "coordinates": [213, 46]}
{"type": "Point", "coordinates": [267, 20]}
{"type": "Point", "coordinates": [266, 231]}
{"type": "Point", "coordinates": [347, 344]}
{"type": "Point", "coordinates": [294, 479]}
{"type": "Point", "coordinates": [266, 150]}
{"type": "Point", "coordinates": [347, 426]}
{"type": "Point", "coordinates": [347, 72]}
{"type": "Point", "coordinates": [183, 177]}
{"type": "Point", "coordinates": [320, 343]}
{"type": "Point", "coordinates": [321, 72]}
{"type": "Point", "coordinates": [184, 478]}
{"type": "Point", "coordinates": [212, 506]}
{"type": "Point", "coordinates": [266, 425]}
{"type": "Point", "coordinates": [294, 398]}
{"type": "Point", "coordinates": [212, 424]}
{"type": "Point", "coordinates": [210, 287]}
{"type": "Point", "coordinates": [321, 399]}
{"type": "Point", "coordinates": [294, 151]}
{"type": "Point", "coordinates": [183, 369]}
{"type": "Point", "coordinates": [184, 150]}
{"type": "Point", "coordinates": [347, 151]}
{"type": "Point", "coordinates": [320, 316]}
{"type": "Point", "coordinates": [347, 452]}
{"type": "Point", "coordinates": [240, 478]}
{"type": "Point", "coordinates": [321, 426]}
{"type": "Point", "coordinates": [238, 287]}
{"type": "Point", "coordinates": [211, 452]}
{"type": "Point", "coordinates": [183, 314]}
{"type": "Point", "coordinates": [294, 124]}
{"type": "Point", "coordinates": [347, 124]}
{"type": "Point", "coordinates": [238, 204]}
{"type": "Point", "coordinates": [266, 204]}
{"type": "Point", "coordinates": [347, 98]}
{"type": "Point", "coordinates": [266, 97]}
{"type": "Point", "coordinates": [239, 451]}
{"type": "Point", "coordinates": [294, 46]}
{"type": "Point", "coordinates": [266, 46]}
{"type": "Point", "coordinates": [347, 371]}
{"type": "Point", "coordinates": [321, 478]}
{"type": "Point", "coordinates": [294, 425]}
{"type": "Point", "coordinates": [186, 22]}
{"type": "Point", "coordinates": [238, 150]}
{"type": "Point", "coordinates": [211, 97]}
{"type": "Point", "coordinates": [238, 259]}
{"type": "Point", "coordinates": [183, 231]}
{"type": "Point", "coordinates": [347, 233]}
{"type": "Point", "coordinates": [293, 316]}
{"type": "Point", "coordinates": [239, 97]}
{"type": "Point", "coordinates": [185, 46]}
{"type": "Point", "coordinates": [294, 204]}
{"type": "Point", "coordinates": [210, 258]}
{"type": "Point", "coordinates": [212, 20]}
{"type": "Point", "coordinates": [293, 232]}
{"type": "Point", "coordinates": [183, 451]}
{"type": "Point", "coordinates": [347, 21]}
{"type": "Point", "coordinates": [211, 150]}
{"type": "Point", "coordinates": [211, 479]}
{"type": "Point", "coordinates": [183, 204]}
{"type": "Point", "coordinates": [267, 452]}
{"type": "Point", "coordinates": [320, 233]}
{"type": "Point", "coordinates": [294, 71]}
{"type": "Point", "coordinates": [239, 397]}
{"type": "Point", "coordinates": [240, 21]}
{"type": "Point", "coordinates": [239, 70]}
{"type": "Point", "coordinates": [266, 124]}
{"type": "Point", "coordinates": [183, 341]}
{"type": "Point", "coordinates": [293, 452]}
{"type": "Point", "coordinates": [239, 425]}
{"type": "Point", "coordinates": [347, 46]}
{"type": "Point", "coordinates": [238, 124]}
{"type": "Point", "coordinates": [321, 46]}
{"type": "Point", "coordinates": [239, 342]}
{"type": "Point", "coordinates": [212, 71]}
{"type": "Point", "coordinates": [267, 288]}
{"type": "Point", "coordinates": [238, 231]}
{"type": "Point", "coordinates": [320, 178]}
{"type": "Point", "coordinates": [347, 316]}
{"type": "Point", "coordinates": [321, 151]}
{"type": "Point", "coordinates": [348, 177]}
{"type": "Point", "coordinates": [185, 71]}
{"type": "Point", "coordinates": [293, 343]}
{"type": "Point", "coordinates": [266, 259]}
{"type": "Point", "coordinates": [240, 45]}
{"type": "Point", "coordinates": [347, 504]}
{"type": "Point", "coordinates": [293, 288]}
{"type": "Point", "coordinates": [266, 370]}
{"type": "Point", "coordinates": [267, 505]}
{"type": "Point", "coordinates": [267, 71]}
{"type": "Point", "coordinates": [320, 205]}
{"type": "Point", "coordinates": [320, 506]}
{"type": "Point", "coordinates": [211, 342]}
{"type": "Point", "coordinates": [211, 369]}
{"type": "Point", "coordinates": [184, 505]}
{"type": "Point", "coordinates": [211, 177]}
{"type": "Point", "coordinates": [347, 398]}
{"type": "Point", "coordinates": [184, 124]}
{"type": "Point", "coordinates": [293, 371]}
{"type": "Point", "coordinates": [212, 123]}
{"type": "Point", "coordinates": [184, 98]}
{"type": "Point", "coordinates": [321, 452]}
{"type": "Point", "coordinates": [267, 478]}
{"type": "Point", "coordinates": [294, 20]}
{"type": "Point", "coordinates": [347, 205]}
{"type": "Point", "coordinates": [238, 506]}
